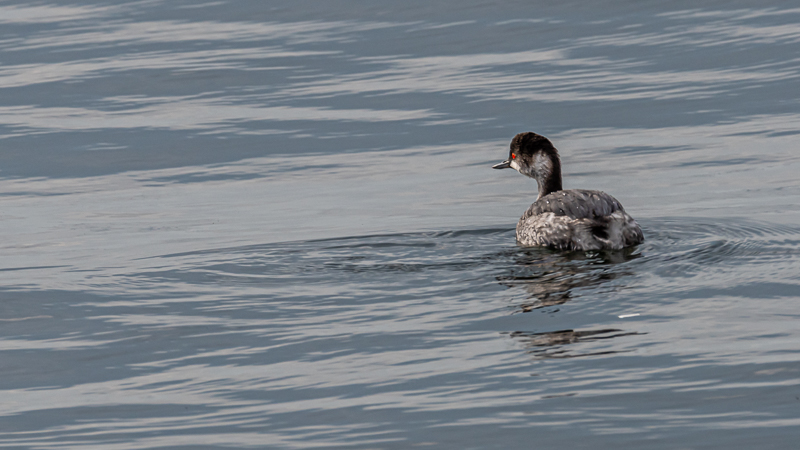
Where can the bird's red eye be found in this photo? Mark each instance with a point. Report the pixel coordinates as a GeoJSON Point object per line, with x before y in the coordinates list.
{"type": "Point", "coordinates": [513, 156]}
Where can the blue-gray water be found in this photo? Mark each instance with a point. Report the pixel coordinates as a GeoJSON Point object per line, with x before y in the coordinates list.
{"type": "Point", "coordinates": [246, 224]}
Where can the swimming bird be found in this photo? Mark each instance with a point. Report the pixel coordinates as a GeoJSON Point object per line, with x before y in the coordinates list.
{"type": "Point", "coordinates": [572, 219]}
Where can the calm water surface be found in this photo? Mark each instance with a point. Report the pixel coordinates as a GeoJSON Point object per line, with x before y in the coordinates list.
{"type": "Point", "coordinates": [242, 224]}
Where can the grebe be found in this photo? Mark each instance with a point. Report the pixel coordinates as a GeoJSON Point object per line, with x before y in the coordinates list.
{"type": "Point", "coordinates": [573, 219]}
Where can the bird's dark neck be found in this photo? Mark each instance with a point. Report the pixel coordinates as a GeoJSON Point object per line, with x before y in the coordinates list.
{"type": "Point", "coordinates": [550, 181]}
{"type": "Point", "coordinates": [550, 185]}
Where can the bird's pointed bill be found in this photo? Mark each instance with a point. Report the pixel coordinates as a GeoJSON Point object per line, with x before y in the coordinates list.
{"type": "Point", "coordinates": [503, 165]}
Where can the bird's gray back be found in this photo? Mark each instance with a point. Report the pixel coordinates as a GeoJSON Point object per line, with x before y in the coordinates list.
{"type": "Point", "coordinates": [576, 204]}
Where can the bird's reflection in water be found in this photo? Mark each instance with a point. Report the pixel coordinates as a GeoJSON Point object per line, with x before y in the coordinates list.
{"type": "Point", "coordinates": [551, 345]}
{"type": "Point", "coordinates": [550, 278]}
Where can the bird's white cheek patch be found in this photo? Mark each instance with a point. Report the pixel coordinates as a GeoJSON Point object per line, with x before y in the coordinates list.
{"type": "Point", "coordinates": [514, 165]}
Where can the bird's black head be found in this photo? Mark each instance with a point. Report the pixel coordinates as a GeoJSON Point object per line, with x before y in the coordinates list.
{"type": "Point", "coordinates": [535, 156]}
